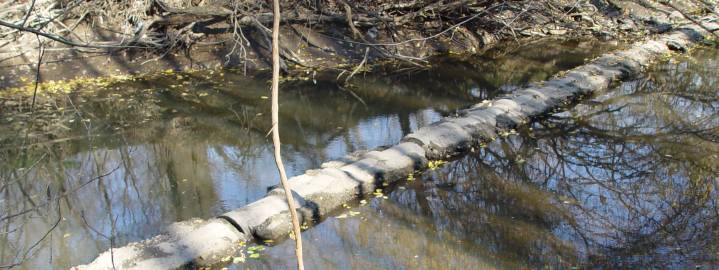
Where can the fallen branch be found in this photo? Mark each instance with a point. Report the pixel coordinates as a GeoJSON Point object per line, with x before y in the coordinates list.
{"type": "Point", "coordinates": [65, 41]}
{"type": "Point", "coordinates": [359, 67]}
{"type": "Point", "coordinates": [348, 12]}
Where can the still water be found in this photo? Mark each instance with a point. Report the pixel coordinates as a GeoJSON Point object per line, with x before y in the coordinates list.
{"type": "Point", "coordinates": [626, 179]}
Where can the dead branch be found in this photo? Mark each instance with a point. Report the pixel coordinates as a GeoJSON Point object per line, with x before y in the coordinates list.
{"type": "Point", "coordinates": [276, 132]}
{"type": "Point", "coordinates": [348, 11]}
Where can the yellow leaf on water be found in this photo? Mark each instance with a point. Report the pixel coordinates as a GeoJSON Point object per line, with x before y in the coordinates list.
{"type": "Point", "coordinates": [238, 260]}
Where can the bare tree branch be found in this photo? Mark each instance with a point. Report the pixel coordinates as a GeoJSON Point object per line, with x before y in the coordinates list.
{"type": "Point", "coordinates": [276, 132]}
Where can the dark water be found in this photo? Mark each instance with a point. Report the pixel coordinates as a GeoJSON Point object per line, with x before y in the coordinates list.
{"type": "Point", "coordinates": [626, 180]}
{"type": "Point", "coordinates": [112, 163]}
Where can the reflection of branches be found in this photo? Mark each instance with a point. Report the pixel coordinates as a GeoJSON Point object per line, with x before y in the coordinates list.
{"type": "Point", "coordinates": [646, 221]}
{"type": "Point", "coordinates": [62, 195]}
{"type": "Point", "coordinates": [629, 176]}
{"type": "Point", "coordinates": [9, 182]}
{"type": "Point", "coordinates": [45, 235]}
{"type": "Point", "coordinates": [110, 238]}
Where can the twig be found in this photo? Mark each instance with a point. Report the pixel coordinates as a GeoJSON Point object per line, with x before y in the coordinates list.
{"type": "Point", "coordinates": [40, 53]}
{"type": "Point", "coordinates": [357, 69]}
{"type": "Point", "coordinates": [353, 94]}
{"type": "Point", "coordinates": [29, 11]}
{"type": "Point", "coordinates": [429, 37]}
{"type": "Point", "coordinates": [67, 41]}
{"type": "Point", "coordinates": [348, 12]}
{"type": "Point", "coordinates": [276, 132]}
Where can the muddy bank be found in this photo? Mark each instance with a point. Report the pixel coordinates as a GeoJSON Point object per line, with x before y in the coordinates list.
{"type": "Point", "coordinates": [319, 192]}
{"type": "Point", "coordinates": [182, 35]}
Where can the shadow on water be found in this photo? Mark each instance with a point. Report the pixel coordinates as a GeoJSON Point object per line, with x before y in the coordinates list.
{"type": "Point", "coordinates": [112, 162]}
{"type": "Point", "coordinates": [625, 180]}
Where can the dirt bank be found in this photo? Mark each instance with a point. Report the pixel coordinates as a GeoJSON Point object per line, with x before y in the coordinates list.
{"type": "Point", "coordinates": [100, 38]}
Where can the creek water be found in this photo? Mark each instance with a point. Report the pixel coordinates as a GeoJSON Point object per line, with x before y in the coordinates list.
{"type": "Point", "coordinates": [626, 179]}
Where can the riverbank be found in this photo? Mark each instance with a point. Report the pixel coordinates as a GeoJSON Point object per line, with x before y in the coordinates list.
{"type": "Point", "coordinates": [350, 38]}
{"type": "Point", "coordinates": [319, 192]}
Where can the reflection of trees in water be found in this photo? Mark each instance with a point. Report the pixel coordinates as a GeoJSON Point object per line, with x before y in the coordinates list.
{"type": "Point", "coordinates": [151, 135]}
{"type": "Point", "coordinates": [627, 180]}
{"type": "Point", "coordinates": [486, 75]}
{"type": "Point", "coordinates": [170, 152]}
{"type": "Point", "coordinates": [64, 197]}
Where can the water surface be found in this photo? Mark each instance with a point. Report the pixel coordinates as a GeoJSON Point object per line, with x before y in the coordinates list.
{"type": "Point", "coordinates": [625, 180]}
{"type": "Point", "coordinates": [114, 161]}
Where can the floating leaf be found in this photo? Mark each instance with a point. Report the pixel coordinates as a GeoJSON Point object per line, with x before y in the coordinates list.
{"type": "Point", "coordinates": [434, 164]}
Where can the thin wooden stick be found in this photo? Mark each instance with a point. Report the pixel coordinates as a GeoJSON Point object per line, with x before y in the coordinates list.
{"type": "Point", "coordinates": [276, 132]}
